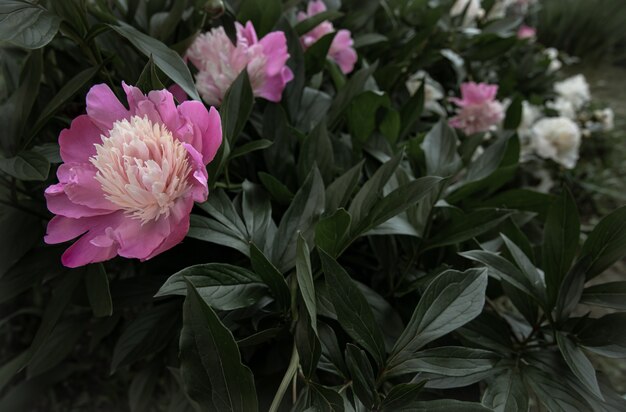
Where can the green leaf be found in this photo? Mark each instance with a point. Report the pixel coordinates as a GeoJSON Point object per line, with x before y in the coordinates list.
{"type": "Point", "coordinates": [149, 78]}
{"type": "Point", "coordinates": [26, 24]}
{"type": "Point", "coordinates": [206, 339]}
{"type": "Point", "coordinates": [308, 345]}
{"type": "Point", "coordinates": [605, 335]}
{"type": "Point", "coordinates": [411, 111]}
{"type": "Point", "coordinates": [304, 276]}
{"type": "Point", "coordinates": [402, 395]}
{"type": "Point", "coordinates": [57, 346]}
{"type": "Point", "coordinates": [21, 231]}
{"type": "Point", "coordinates": [349, 91]}
{"type": "Point", "coordinates": [69, 89]}
{"type": "Point", "coordinates": [149, 333]}
{"type": "Point", "coordinates": [317, 150]}
{"type": "Point", "coordinates": [270, 276]}
{"type": "Point", "coordinates": [444, 405]}
{"type": "Point", "coordinates": [332, 231]}
{"type": "Point", "coordinates": [223, 286]}
{"type": "Point", "coordinates": [506, 393]}
{"type": "Point", "coordinates": [257, 214]}
{"type": "Point", "coordinates": [371, 192]}
{"type": "Point", "coordinates": [522, 199]}
{"type": "Point", "coordinates": [448, 361]}
{"type": "Point", "coordinates": [451, 300]}
{"type": "Point", "coordinates": [236, 107]}
{"type": "Point", "coordinates": [325, 399]}
{"type": "Point", "coordinates": [527, 267]}
{"type": "Point", "coordinates": [164, 57]}
{"type": "Point", "coordinates": [607, 295]}
{"type": "Point", "coordinates": [209, 230]}
{"type": "Point", "coordinates": [353, 310]}
{"type": "Point", "coordinates": [338, 193]}
{"type": "Point", "coordinates": [606, 243]}
{"type": "Point", "coordinates": [26, 166]}
{"type": "Point", "coordinates": [301, 215]}
{"type": "Point", "coordinates": [362, 114]}
{"type": "Point", "coordinates": [249, 147]}
{"type": "Point", "coordinates": [97, 284]}
{"type": "Point", "coordinates": [560, 244]}
{"type": "Point", "coordinates": [514, 114]}
{"type": "Point", "coordinates": [277, 189]}
{"type": "Point", "coordinates": [315, 56]}
{"type": "Point", "coordinates": [11, 368]}
{"type": "Point", "coordinates": [262, 13]}
{"type": "Point", "coordinates": [579, 364]}
{"type": "Point", "coordinates": [440, 150]}
{"type": "Point", "coordinates": [363, 380]}
{"type": "Point", "coordinates": [309, 24]}
{"type": "Point", "coordinates": [553, 392]}
{"type": "Point", "coordinates": [463, 228]}
{"type": "Point", "coordinates": [142, 387]}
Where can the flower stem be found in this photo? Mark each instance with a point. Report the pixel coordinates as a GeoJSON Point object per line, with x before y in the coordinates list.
{"type": "Point", "coordinates": [284, 384]}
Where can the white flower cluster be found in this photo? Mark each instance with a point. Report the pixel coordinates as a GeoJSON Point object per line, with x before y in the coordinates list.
{"type": "Point", "coordinates": [559, 138]}
{"type": "Point", "coordinates": [433, 91]}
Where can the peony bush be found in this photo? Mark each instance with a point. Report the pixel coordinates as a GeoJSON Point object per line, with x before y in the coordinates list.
{"type": "Point", "coordinates": [266, 205]}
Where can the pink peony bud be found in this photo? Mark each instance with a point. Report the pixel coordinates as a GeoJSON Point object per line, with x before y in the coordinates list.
{"type": "Point", "coordinates": [478, 108]}
{"type": "Point", "coordinates": [130, 176]}
{"type": "Point", "coordinates": [219, 62]}
{"type": "Point", "coordinates": [341, 50]}
{"type": "Point", "coordinates": [526, 32]}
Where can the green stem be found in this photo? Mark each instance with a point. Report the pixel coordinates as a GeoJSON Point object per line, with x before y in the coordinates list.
{"type": "Point", "coordinates": [284, 384]}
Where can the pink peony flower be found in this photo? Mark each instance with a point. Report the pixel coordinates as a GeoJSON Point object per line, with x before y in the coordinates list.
{"type": "Point", "coordinates": [130, 176]}
{"type": "Point", "coordinates": [526, 32]}
{"type": "Point", "coordinates": [478, 108]}
{"type": "Point", "coordinates": [341, 50]}
{"type": "Point", "coordinates": [219, 62]}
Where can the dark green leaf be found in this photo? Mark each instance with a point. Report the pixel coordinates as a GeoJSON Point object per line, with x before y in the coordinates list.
{"type": "Point", "coordinates": [440, 145]}
{"type": "Point", "coordinates": [506, 393]}
{"type": "Point", "coordinates": [57, 346]}
{"type": "Point", "coordinates": [209, 230]}
{"type": "Point", "coordinates": [553, 392]}
{"type": "Point", "coordinates": [444, 405]}
{"type": "Point", "coordinates": [363, 381]}
{"type": "Point", "coordinates": [606, 243]}
{"type": "Point", "coordinates": [528, 268]}
{"type": "Point", "coordinates": [466, 227]}
{"type": "Point", "coordinates": [411, 111]}
{"type": "Point", "coordinates": [332, 231]}
{"type": "Point", "coordinates": [206, 339]}
{"type": "Point", "coordinates": [605, 335]}
{"type": "Point", "coordinates": [270, 276]}
{"type": "Point", "coordinates": [26, 166]}
{"type": "Point", "coordinates": [353, 310]}
{"type": "Point", "coordinates": [97, 284]}
{"type": "Point", "coordinates": [402, 395]}
{"type": "Point", "coordinates": [21, 231]}
{"type": "Point", "coordinates": [325, 399]}
{"type": "Point", "coordinates": [608, 295]}
{"type": "Point", "coordinates": [308, 345]}
{"type": "Point", "coordinates": [223, 286]}
{"type": "Point", "coordinates": [304, 276]}
{"type": "Point", "coordinates": [249, 147]}
{"type": "Point", "coordinates": [339, 192]}
{"type": "Point", "coordinates": [237, 107]}
{"type": "Point", "coordinates": [262, 13]}
{"type": "Point", "coordinates": [450, 301]}
{"type": "Point", "coordinates": [349, 91]}
{"type": "Point", "coordinates": [315, 56]}
{"type": "Point", "coordinates": [513, 114]}
{"type": "Point", "coordinates": [27, 25]}
{"type": "Point", "coordinates": [560, 241]}
{"type": "Point", "coordinates": [150, 332]}
{"type": "Point", "coordinates": [278, 190]}
{"type": "Point", "coordinates": [165, 58]}
{"type": "Point", "coordinates": [579, 363]}
{"type": "Point", "coordinates": [309, 24]}
{"type": "Point", "coordinates": [316, 150]}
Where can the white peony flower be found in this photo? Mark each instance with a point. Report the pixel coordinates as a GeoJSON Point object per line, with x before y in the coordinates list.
{"type": "Point", "coordinates": [553, 55]}
{"type": "Point", "coordinates": [530, 114]}
{"type": "Point", "coordinates": [474, 11]}
{"type": "Point", "coordinates": [606, 118]}
{"type": "Point", "coordinates": [557, 138]}
{"type": "Point", "coordinates": [574, 89]}
{"type": "Point", "coordinates": [563, 107]}
{"type": "Point", "coordinates": [433, 91]}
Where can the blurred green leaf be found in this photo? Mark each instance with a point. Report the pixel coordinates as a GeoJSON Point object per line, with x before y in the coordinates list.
{"type": "Point", "coordinates": [262, 13]}
{"type": "Point", "coordinates": [606, 243]}
{"type": "Point", "coordinates": [97, 284]}
{"type": "Point", "coordinates": [27, 25]}
{"type": "Point", "coordinates": [236, 107]}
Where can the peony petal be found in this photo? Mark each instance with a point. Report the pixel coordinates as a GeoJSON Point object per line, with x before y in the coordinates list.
{"type": "Point", "coordinates": [78, 142]}
{"type": "Point", "coordinates": [104, 108]}
{"type": "Point", "coordinates": [61, 229]}
{"type": "Point", "coordinates": [84, 252]}
{"type": "Point", "coordinates": [209, 127]}
{"type": "Point", "coordinates": [179, 94]}
{"type": "Point", "coordinates": [59, 203]}
{"type": "Point", "coordinates": [179, 223]}
{"type": "Point", "coordinates": [200, 175]}
{"type": "Point", "coordinates": [81, 186]}
{"type": "Point", "coordinates": [137, 240]}
{"type": "Point", "coordinates": [163, 101]}
{"type": "Point", "coordinates": [275, 49]}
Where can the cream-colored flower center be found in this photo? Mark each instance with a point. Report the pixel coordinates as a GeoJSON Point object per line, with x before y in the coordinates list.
{"type": "Point", "coordinates": [142, 168]}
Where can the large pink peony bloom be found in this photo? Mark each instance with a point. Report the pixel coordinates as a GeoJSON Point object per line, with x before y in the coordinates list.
{"type": "Point", "coordinates": [341, 50]}
{"type": "Point", "coordinates": [130, 176]}
{"type": "Point", "coordinates": [478, 108]}
{"type": "Point", "coordinates": [219, 62]}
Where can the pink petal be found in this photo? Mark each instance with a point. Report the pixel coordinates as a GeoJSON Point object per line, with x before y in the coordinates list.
{"type": "Point", "coordinates": [59, 204]}
{"type": "Point", "coordinates": [84, 252]}
{"type": "Point", "coordinates": [315, 7]}
{"type": "Point", "coordinates": [81, 186]}
{"type": "Point", "coordinates": [77, 142]}
{"type": "Point", "coordinates": [179, 222]}
{"type": "Point", "coordinates": [200, 189]}
{"type": "Point", "coordinates": [61, 229]}
{"type": "Point", "coordinates": [246, 35]}
{"type": "Point", "coordinates": [275, 48]}
{"type": "Point", "coordinates": [163, 101]}
{"type": "Point", "coordinates": [342, 52]}
{"type": "Point", "coordinates": [179, 94]}
{"type": "Point", "coordinates": [207, 135]}
{"type": "Point", "coordinates": [104, 108]}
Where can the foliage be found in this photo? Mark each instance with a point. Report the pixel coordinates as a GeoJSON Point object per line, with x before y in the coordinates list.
{"type": "Point", "coordinates": [355, 253]}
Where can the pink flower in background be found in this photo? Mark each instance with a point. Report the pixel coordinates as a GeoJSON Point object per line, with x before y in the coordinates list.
{"type": "Point", "coordinates": [219, 62]}
{"type": "Point", "coordinates": [341, 50]}
{"type": "Point", "coordinates": [478, 108]}
{"type": "Point", "coordinates": [526, 32]}
{"type": "Point", "coordinates": [130, 176]}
